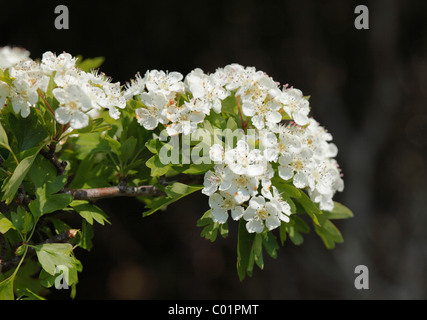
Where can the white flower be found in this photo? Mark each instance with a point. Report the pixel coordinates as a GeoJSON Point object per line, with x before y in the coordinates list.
{"type": "Point", "coordinates": [261, 213]}
{"type": "Point", "coordinates": [241, 186]}
{"type": "Point", "coordinates": [135, 87]}
{"type": "Point", "coordinates": [276, 198]}
{"type": "Point", "coordinates": [296, 165]}
{"type": "Point", "coordinates": [24, 96]}
{"type": "Point", "coordinates": [207, 88]}
{"type": "Point", "coordinates": [29, 71]}
{"type": "Point", "coordinates": [73, 103]}
{"type": "Point", "coordinates": [167, 84]}
{"type": "Point", "coordinates": [285, 140]}
{"type": "Point", "coordinates": [254, 94]}
{"type": "Point", "coordinates": [216, 153]}
{"type": "Point", "coordinates": [295, 105]}
{"type": "Point", "coordinates": [60, 64]}
{"type": "Point", "coordinates": [243, 160]}
{"type": "Point", "coordinates": [113, 99]}
{"type": "Point", "coordinates": [184, 118]}
{"type": "Point", "coordinates": [266, 112]}
{"type": "Point", "coordinates": [154, 111]}
{"type": "Point", "coordinates": [221, 203]}
{"type": "Point", "coordinates": [10, 56]}
{"type": "Point", "coordinates": [213, 180]}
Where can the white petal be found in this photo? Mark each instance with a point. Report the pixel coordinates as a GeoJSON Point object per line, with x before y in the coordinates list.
{"type": "Point", "coordinates": [272, 222]}
{"type": "Point", "coordinates": [254, 226]}
{"type": "Point", "coordinates": [257, 202]}
{"type": "Point", "coordinates": [216, 200]}
{"type": "Point", "coordinates": [237, 212]}
{"type": "Point", "coordinates": [273, 117]}
{"type": "Point", "coordinates": [79, 120]}
{"type": "Point", "coordinates": [62, 115]}
{"type": "Point", "coordinates": [300, 118]}
{"type": "Point", "coordinates": [285, 172]}
{"type": "Point", "coordinates": [219, 215]}
{"type": "Point", "coordinates": [300, 180]}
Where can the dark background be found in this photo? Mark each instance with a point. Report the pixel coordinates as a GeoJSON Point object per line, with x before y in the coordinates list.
{"type": "Point", "coordinates": [367, 87]}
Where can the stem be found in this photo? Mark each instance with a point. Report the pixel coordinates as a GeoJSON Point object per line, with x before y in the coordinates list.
{"type": "Point", "coordinates": [241, 115]}
{"type": "Point", "coordinates": [45, 101]}
{"type": "Point", "coordinates": [112, 192]}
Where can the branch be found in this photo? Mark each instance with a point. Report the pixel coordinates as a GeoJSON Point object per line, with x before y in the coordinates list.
{"type": "Point", "coordinates": [112, 192]}
{"type": "Point", "coordinates": [50, 155]}
{"type": "Point", "coordinates": [59, 238]}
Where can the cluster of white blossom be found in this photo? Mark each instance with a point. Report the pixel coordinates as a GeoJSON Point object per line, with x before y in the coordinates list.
{"type": "Point", "coordinates": [161, 91]}
{"type": "Point", "coordinates": [241, 181]}
{"type": "Point", "coordinates": [300, 149]}
{"type": "Point", "coordinates": [78, 93]}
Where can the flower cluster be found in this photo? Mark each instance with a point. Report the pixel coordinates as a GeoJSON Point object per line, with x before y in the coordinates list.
{"type": "Point", "coordinates": [289, 144]}
{"type": "Point", "coordinates": [78, 93]}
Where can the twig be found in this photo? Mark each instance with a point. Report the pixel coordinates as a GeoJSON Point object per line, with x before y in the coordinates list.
{"type": "Point", "coordinates": [45, 101]}
{"type": "Point", "coordinates": [50, 155]}
{"type": "Point", "coordinates": [59, 238]}
{"type": "Point", "coordinates": [112, 192]}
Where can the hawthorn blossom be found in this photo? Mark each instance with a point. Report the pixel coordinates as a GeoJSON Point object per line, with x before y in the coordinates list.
{"type": "Point", "coordinates": [10, 56]}
{"type": "Point", "coordinates": [241, 186]}
{"type": "Point", "coordinates": [295, 105]}
{"type": "Point", "coordinates": [243, 160]}
{"type": "Point", "coordinates": [135, 86]}
{"type": "Point", "coordinates": [296, 166]}
{"type": "Point", "coordinates": [262, 213]}
{"type": "Point", "coordinates": [167, 84]}
{"type": "Point", "coordinates": [24, 96]}
{"type": "Point", "coordinates": [207, 88]}
{"type": "Point", "coordinates": [221, 203]}
{"type": "Point", "coordinates": [113, 99]}
{"type": "Point", "coordinates": [73, 105]}
{"type": "Point", "coordinates": [154, 111]}
{"type": "Point", "coordinates": [184, 119]}
{"type": "Point", "coordinates": [60, 64]}
{"type": "Point", "coordinates": [213, 180]}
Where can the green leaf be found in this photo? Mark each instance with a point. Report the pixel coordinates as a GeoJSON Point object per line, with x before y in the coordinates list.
{"type": "Point", "coordinates": [29, 131]}
{"type": "Point", "coordinates": [5, 224]}
{"type": "Point", "coordinates": [89, 64]}
{"type": "Point", "coordinates": [45, 203]}
{"type": "Point", "coordinates": [157, 167]}
{"type": "Point", "coordinates": [18, 176]}
{"type": "Point", "coordinates": [89, 211]}
{"type": "Point", "coordinates": [127, 149]}
{"type": "Point", "coordinates": [295, 236]}
{"type": "Point", "coordinates": [21, 219]}
{"type": "Point", "coordinates": [330, 234]}
{"type": "Point", "coordinates": [256, 254]}
{"type": "Point", "coordinates": [174, 192]}
{"type": "Point", "coordinates": [211, 228]}
{"type": "Point", "coordinates": [270, 244]}
{"type": "Point", "coordinates": [42, 171]}
{"type": "Point", "coordinates": [86, 236]}
{"type": "Point", "coordinates": [6, 289]}
{"type": "Point", "coordinates": [293, 192]}
{"type": "Point", "coordinates": [244, 245]}
{"type": "Point", "coordinates": [339, 212]}
{"type": "Point", "coordinates": [4, 142]}
{"type": "Point", "coordinates": [51, 255]}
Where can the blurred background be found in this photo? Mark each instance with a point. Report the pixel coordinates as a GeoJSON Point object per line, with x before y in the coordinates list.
{"type": "Point", "coordinates": [367, 87]}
